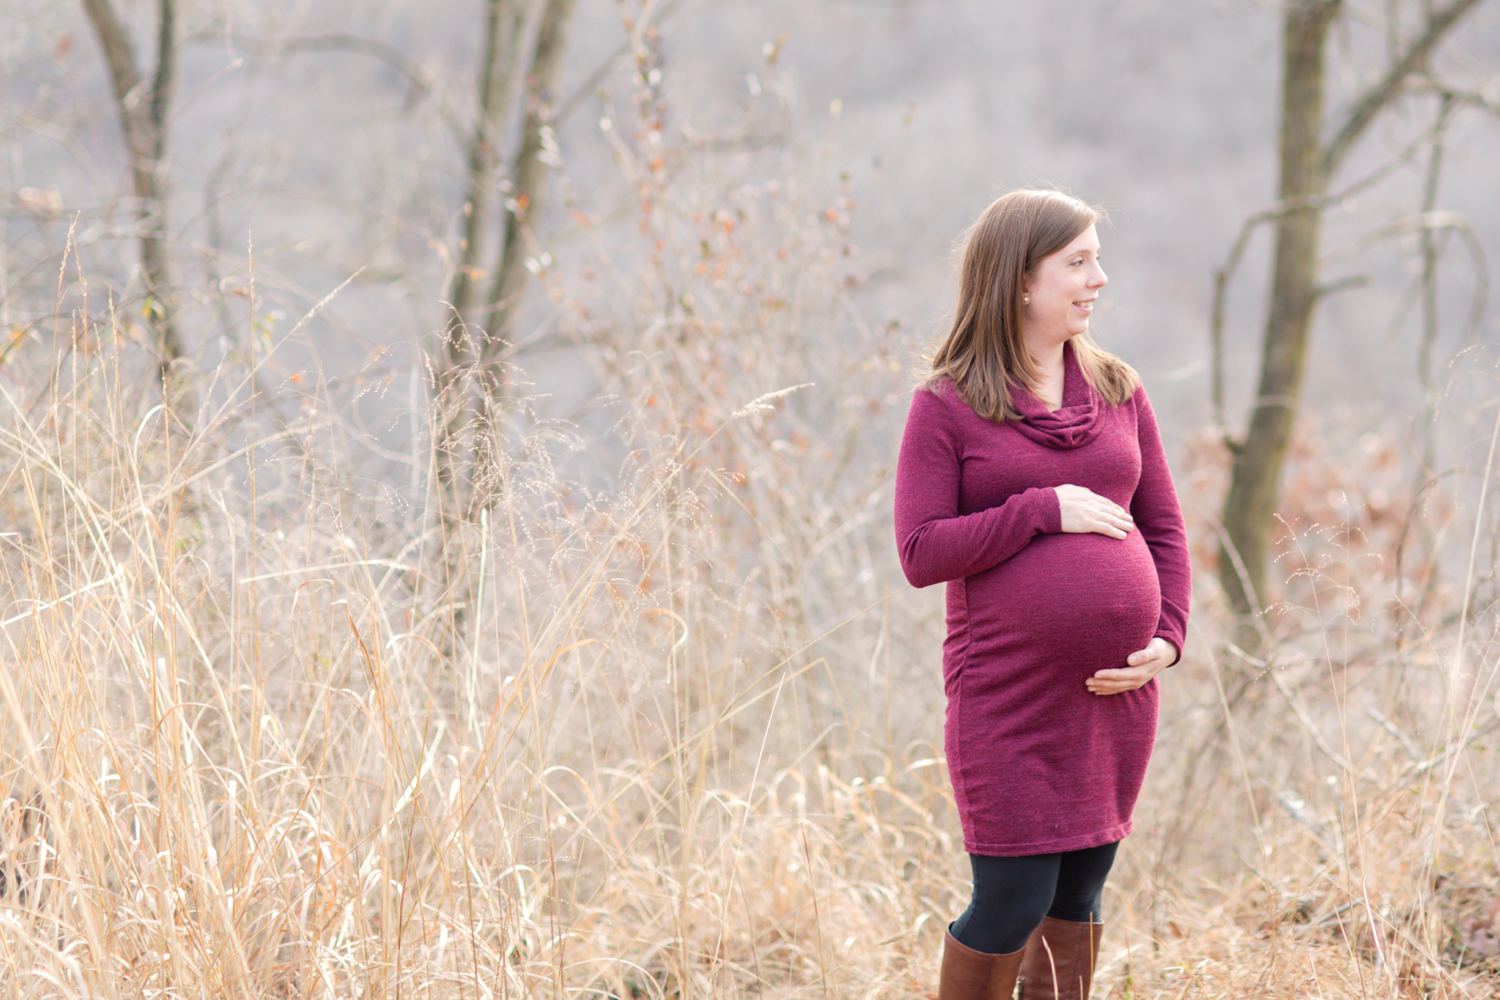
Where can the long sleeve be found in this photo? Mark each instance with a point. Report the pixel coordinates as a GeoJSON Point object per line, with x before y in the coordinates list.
{"type": "Point", "coordinates": [934, 541]}
{"type": "Point", "coordinates": [1158, 517]}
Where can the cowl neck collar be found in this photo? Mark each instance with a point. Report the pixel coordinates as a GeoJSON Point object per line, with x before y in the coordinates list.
{"type": "Point", "coordinates": [1073, 424]}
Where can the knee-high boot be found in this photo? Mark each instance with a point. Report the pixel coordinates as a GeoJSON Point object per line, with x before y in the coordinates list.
{"type": "Point", "coordinates": [975, 975]}
{"type": "Point", "coordinates": [1059, 960]}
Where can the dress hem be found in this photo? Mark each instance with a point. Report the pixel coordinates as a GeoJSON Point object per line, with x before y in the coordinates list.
{"type": "Point", "coordinates": [1075, 843]}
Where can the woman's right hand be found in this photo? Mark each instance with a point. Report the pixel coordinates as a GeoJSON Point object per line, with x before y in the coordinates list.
{"type": "Point", "coordinates": [1085, 511]}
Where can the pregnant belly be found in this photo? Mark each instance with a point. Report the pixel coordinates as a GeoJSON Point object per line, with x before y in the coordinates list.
{"type": "Point", "coordinates": [1079, 601]}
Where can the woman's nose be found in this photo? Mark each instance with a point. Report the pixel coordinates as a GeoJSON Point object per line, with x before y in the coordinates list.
{"type": "Point", "coordinates": [1100, 278]}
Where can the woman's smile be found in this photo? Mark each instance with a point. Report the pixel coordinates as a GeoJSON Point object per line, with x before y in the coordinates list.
{"type": "Point", "coordinates": [1061, 294]}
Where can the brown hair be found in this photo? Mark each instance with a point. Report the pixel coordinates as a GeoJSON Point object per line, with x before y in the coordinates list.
{"type": "Point", "coordinates": [983, 354]}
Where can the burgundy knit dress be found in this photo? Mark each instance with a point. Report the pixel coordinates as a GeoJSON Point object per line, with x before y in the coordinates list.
{"type": "Point", "coordinates": [1038, 763]}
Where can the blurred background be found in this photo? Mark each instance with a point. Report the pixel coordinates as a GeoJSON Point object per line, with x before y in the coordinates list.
{"type": "Point", "coordinates": [332, 135]}
{"type": "Point", "coordinates": [448, 484]}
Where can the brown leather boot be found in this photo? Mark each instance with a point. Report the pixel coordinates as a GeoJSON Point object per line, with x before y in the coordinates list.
{"type": "Point", "coordinates": [1059, 960]}
{"type": "Point", "coordinates": [974, 975]}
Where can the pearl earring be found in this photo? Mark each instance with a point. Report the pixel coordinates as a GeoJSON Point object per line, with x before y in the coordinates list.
{"type": "Point", "coordinates": [1026, 300]}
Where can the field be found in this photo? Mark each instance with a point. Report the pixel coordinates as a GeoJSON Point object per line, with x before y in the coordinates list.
{"type": "Point", "coordinates": [664, 720]}
{"type": "Point", "coordinates": [642, 707]}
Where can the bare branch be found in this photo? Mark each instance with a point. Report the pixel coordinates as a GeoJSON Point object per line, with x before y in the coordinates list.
{"type": "Point", "coordinates": [1464, 98]}
{"type": "Point", "coordinates": [537, 154]}
{"type": "Point", "coordinates": [144, 120]}
{"type": "Point", "coordinates": [503, 26]}
{"type": "Point", "coordinates": [1342, 284]}
{"type": "Point", "coordinates": [497, 71]}
{"type": "Point", "coordinates": [385, 52]}
{"type": "Point", "coordinates": [166, 76]}
{"type": "Point", "coordinates": [1216, 325]}
{"type": "Point", "coordinates": [528, 174]}
{"type": "Point", "coordinates": [581, 93]}
{"type": "Point", "coordinates": [1440, 221]}
{"type": "Point", "coordinates": [115, 42]}
{"type": "Point", "coordinates": [421, 85]}
{"type": "Point", "coordinates": [1365, 109]}
{"type": "Point", "coordinates": [1225, 274]}
{"type": "Point", "coordinates": [1429, 249]}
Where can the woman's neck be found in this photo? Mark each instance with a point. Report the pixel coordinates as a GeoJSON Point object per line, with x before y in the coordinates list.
{"type": "Point", "coordinates": [1051, 372]}
{"type": "Point", "coordinates": [1048, 360]}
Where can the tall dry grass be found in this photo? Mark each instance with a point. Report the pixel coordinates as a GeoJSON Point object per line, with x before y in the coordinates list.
{"type": "Point", "coordinates": [249, 756]}
{"type": "Point", "coordinates": [684, 741]}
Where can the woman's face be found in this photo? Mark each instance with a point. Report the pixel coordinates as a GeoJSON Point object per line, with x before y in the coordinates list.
{"type": "Point", "coordinates": [1062, 291]}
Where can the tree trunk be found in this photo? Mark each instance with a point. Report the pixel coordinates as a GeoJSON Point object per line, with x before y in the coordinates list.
{"type": "Point", "coordinates": [145, 118]}
{"type": "Point", "coordinates": [528, 181]}
{"type": "Point", "coordinates": [1307, 165]}
{"type": "Point", "coordinates": [503, 23]}
{"type": "Point", "coordinates": [528, 186]}
{"type": "Point", "coordinates": [1250, 506]}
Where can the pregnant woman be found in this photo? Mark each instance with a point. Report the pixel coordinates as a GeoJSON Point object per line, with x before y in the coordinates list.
{"type": "Point", "coordinates": [1033, 482]}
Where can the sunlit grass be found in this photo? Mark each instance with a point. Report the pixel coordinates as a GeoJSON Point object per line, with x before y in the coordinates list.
{"type": "Point", "coordinates": [685, 741]}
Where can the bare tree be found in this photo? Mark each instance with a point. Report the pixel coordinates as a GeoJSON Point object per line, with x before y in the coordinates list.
{"type": "Point", "coordinates": [528, 175]}
{"type": "Point", "coordinates": [474, 342]}
{"type": "Point", "coordinates": [504, 24]}
{"type": "Point", "coordinates": [144, 111]}
{"type": "Point", "coordinates": [528, 188]}
{"type": "Point", "coordinates": [471, 385]}
{"type": "Point", "coordinates": [1310, 160]}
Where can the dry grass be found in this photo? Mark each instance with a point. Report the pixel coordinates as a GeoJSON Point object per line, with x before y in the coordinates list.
{"type": "Point", "coordinates": [672, 757]}
{"type": "Point", "coordinates": [685, 742]}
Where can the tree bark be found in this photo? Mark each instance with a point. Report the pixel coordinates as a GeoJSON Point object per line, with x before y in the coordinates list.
{"type": "Point", "coordinates": [1307, 165]}
{"type": "Point", "coordinates": [528, 183]}
{"type": "Point", "coordinates": [145, 117]}
{"type": "Point", "coordinates": [528, 187]}
{"type": "Point", "coordinates": [503, 24]}
{"type": "Point", "coordinates": [504, 20]}
{"type": "Point", "coordinates": [1251, 503]}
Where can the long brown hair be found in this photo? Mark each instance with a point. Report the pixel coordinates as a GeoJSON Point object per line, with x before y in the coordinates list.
{"type": "Point", "coordinates": [983, 354]}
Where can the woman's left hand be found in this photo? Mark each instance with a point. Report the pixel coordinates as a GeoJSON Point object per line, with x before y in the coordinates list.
{"type": "Point", "coordinates": [1144, 665]}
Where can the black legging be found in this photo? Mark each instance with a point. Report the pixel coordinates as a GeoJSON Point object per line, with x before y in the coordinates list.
{"type": "Point", "coordinates": [1012, 895]}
